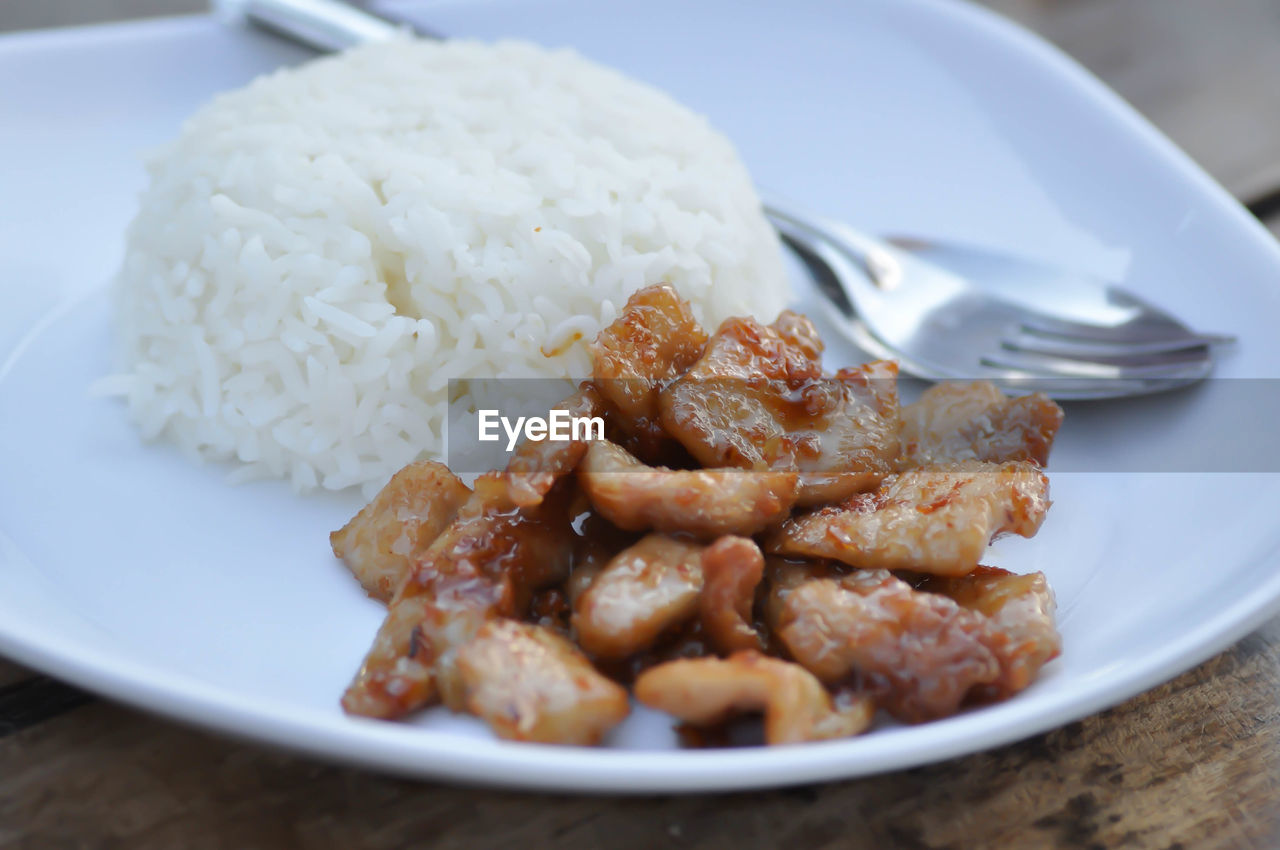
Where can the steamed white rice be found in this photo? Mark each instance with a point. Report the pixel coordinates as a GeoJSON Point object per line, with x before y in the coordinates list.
{"type": "Point", "coordinates": [319, 253]}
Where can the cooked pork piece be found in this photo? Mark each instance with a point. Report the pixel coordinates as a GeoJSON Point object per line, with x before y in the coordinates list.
{"type": "Point", "coordinates": [758, 398]}
{"type": "Point", "coordinates": [919, 653]}
{"type": "Point", "coordinates": [380, 542]}
{"type": "Point", "coordinates": [801, 338]}
{"type": "Point", "coordinates": [398, 673]}
{"type": "Point", "coordinates": [704, 502]}
{"type": "Point", "coordinates": [530, 684]}
{"type": "Point", "coordinates": [643, 592]}
{"type": "Point", "coordinates": [782, 575]}
{"type": "Point", "coordinates": [708, 691]}
{"type": "Point", "coordinates": [935, 520]}
{"type": "Point", "coordinates": [1020, 609]}
{"type": "Point", "coordinates": [731, 568]}
{"type": "Point", "coordinates": [487, 563]}
{"type": "Point", "coordinates": [685, 640]}
{"type": "Point", "coordinates": [589, 559]}
{"type": "Point", "coordinates": [653, 341]}
{"type": "Point", "coordinates": [975, 421]}
{"type": "Point", "coordinates": [723, 408]}
{"type": "Point", "coordinates": [536, 465]}
{"type": "Point", "coordinates": [855, 443]}
{"type": "Point", "coordinates": [597, 543]}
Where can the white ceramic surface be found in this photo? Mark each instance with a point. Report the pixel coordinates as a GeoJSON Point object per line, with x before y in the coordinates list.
{"type": "Point", "coordinates": [130, 571]}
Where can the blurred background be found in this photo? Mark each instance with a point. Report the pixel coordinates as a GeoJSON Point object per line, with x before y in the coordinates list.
{"type": "Point", "coordinates": [1204, 71]}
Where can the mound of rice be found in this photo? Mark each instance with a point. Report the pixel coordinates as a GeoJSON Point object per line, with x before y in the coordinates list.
{"type": "Point", "coordinates": [319, 253]}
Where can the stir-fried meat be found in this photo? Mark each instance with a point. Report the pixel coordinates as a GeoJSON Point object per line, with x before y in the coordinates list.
{"type": "Point", "coordinates": [589, 558]}
{"type": "Point", "coordinates": [685, 640]}
{"type": "Point", "coordinates": [1020, 610]}
{"type": "Point", "coordinates": [723, 408]}
{"type": "Point", "coordinates": [653, 341]}
{"type": "Point", "coordinates": [644, 591]}
{"type": "Point", "coordinates": [704, 502]}
{"type": "Point", "coordinates": [597, 543]}
{"type": "Point", "coordinates": [975, 421]}
{"type": "Point", "coordinates": [707, 691]}
{"type": "Point", "coordinates": [530, 684]}
{"type": "Point", "coordinates": [650, 444]}
{"type": "Point", "coordinates": [855, 443]}
{"type": "Point", "coordinates": [783, 576]}
{"type": "Point", "coordinates": [536, 465]}
{"type": "Point", "coordinates": [487, 563]}
{"type": "Point", "coordinates": [379, 543]}
{"type": "Point", "coordinates": [550, 607]}
{"type": "Point", "coordinates": [529, 601]}
{"type": "Point", "coordinates": [731, 568]}
{"type": "Point", "coordinates": [935, 520]}
{"type": "Point", "coordinates": [920, 653]}
{"type": "Point", "coordinates": [757, 398]}
{"type": "Point", "coordinates": [801, 337]}
{"type": "Point", "coordinates": [398, 673]}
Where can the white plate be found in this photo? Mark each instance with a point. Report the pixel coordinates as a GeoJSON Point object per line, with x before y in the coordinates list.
{"type": "Point", "coordinates": [129, 571]}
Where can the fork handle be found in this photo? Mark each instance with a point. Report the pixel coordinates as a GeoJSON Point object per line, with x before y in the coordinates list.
{"type": "Point", "coordinates": [877, 260]}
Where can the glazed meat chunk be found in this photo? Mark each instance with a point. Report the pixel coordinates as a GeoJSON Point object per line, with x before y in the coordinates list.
{"type": "Point", "coordinates": [1020, 613]}
{"type": "Point", "coordinates": [975, 421]}
{"type": "Point", "coordinates": [653, 341]}
{"type": "Point", "coordinates": [643, 592]}
{"type": "Point", "coordinates": [725, 408]}
{"type": "Point", "coordinates": [783, 575]}
{"type": "Point", "coordinates": [731, 568]}
{"type": "Point", "coordinates": [592, 550]}
{"type": "Point", "coordinates": [935, 520]}
{"type": "Point", "coordinates": [853, 444]}
{"type": "Point", "coordinates": [380, 542]}
{"type": "Point", "coordinates": [530, 684]}
{"type": "Point", "coordinates": [796, 707]}
{"type": "Point", "coordinates": [704, 502]}
{"type": "Point", "coordinates": [536, 465]}
{"type": "Point", "coordinates": [486, 564]}
{"type": "Point", "coordinates": [758, 399]}
{"type": "Point", "coordinates": [919, 653]}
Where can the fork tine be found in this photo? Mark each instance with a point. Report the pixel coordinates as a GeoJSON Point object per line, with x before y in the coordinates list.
{"type": "Point", "coordinates": [1158, 367]}
{"type": "Point", "coordinates": [1153, 333]}
{"type": "Point", "coordinates": [1061, 346]}
{"type": "Point", "coordinates": [1020, 383]}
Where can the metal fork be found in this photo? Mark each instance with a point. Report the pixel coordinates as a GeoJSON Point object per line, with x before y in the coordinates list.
{"type": "Point", "coordinates": [949, 312]}
{"type": "Point", "coordinates": [942, 311]}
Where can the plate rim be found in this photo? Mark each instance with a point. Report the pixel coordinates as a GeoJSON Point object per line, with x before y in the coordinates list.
{"type": "Point", "coordinates": [383, 746]}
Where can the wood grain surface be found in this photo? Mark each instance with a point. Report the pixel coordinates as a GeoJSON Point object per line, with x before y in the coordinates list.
{"type": "Point", "coordinates": [1194, 763]}
{"type": "Point", "coordinates": [10, 673]}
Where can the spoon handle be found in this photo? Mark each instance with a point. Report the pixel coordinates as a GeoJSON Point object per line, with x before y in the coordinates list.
{"type": "Point", "coordinates": [325, 25]}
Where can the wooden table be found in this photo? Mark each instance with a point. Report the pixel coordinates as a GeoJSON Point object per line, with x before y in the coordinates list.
{"type": "Point", "coordinates": [1194, 763]}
